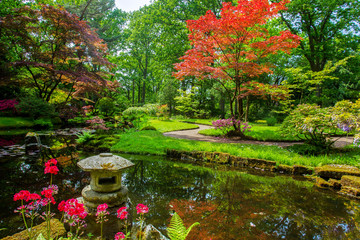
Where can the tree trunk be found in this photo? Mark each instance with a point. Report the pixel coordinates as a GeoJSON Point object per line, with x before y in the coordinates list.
{"type": "Point", "coordinates": [222, 106]}
{"type": "Point", "coordinates": [133, 91]}
{"type": "Point", "coordinates": [247, 109]}
{"type": "Point", "coordinates": [143, 92]}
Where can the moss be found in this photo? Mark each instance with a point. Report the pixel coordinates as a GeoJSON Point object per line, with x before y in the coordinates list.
{"type": "Point", "coordinates": [336, 171]}
{"type": "Point", "coordinates": [351, 181]}
{"type": "Point", "coordinates": [321, 183]}
{"type": "Point", "coordinates": [301, 170]}
{"type": "Point", "coordinates": [259, 163]}
{"type": "Point", "coordinates": [335, 184]}
{"type": "Point", "coordinates": [284, 169]}
{"type": "Point", "coordinates": [57, 229]}
{"type": "Point", "coordinates": [355, 192]}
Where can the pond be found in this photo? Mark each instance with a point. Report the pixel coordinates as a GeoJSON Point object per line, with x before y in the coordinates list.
{"type": "Point", "coordinates": [228, 204]}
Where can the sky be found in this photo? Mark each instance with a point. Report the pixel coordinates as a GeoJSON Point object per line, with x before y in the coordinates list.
{"type": "Point", "coordinates": [131, 5]}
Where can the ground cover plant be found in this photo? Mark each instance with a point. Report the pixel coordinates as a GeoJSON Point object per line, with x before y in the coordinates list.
{"type": "Point", "coordinates": [153, 142]}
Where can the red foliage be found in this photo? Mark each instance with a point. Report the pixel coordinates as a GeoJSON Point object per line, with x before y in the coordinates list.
{"type": "Point", "coordinates": [230, 48]}
{"type": "Point", "coordinates": [8, 104]}
{"type": "Point", "coordinates": [217, 222]}
{"type": "Point", "coordinates": [56, 49]}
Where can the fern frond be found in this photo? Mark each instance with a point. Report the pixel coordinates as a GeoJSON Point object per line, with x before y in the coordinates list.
{"type": "Point", "coordinates": [177, 229]}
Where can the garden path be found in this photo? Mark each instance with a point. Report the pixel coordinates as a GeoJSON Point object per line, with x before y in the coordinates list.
{"type": "Point", "coordinates": [193, 134]}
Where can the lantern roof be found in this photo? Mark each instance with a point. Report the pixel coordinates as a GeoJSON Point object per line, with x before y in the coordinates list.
{"type": "Point", "coordinates": [104, 162]}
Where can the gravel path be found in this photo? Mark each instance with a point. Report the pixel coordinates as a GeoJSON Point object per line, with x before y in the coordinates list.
{"type": "Point", "coordinates": [193, 134]}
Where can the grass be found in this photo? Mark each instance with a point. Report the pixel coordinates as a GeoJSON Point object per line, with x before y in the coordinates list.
{"type": "Point", "coordinates": [259, 131]}
{"type": "Point", "coordinates": [170, 125]}
{"type": "Point", "coordinates": [153, 142]}
{"type": "Point", "coordinates": [16, 122]}
{"type": "Point", "coordinates": [200, 121]}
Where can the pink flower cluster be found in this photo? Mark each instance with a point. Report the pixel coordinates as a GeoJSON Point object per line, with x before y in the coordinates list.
{"type": "Point", "coordinates": [142, 209]}
{"type": "Point", "coordinates": [72, 208]}
{"type": "Point", "coordinates": [122, 213]}
{"type": "Point", "coordinates": [119, 235]}
{"type": "Point", "coordinates": [227, 124]}
{"type": "Point", "coordinates": [50, 167]}
{"type": "Point", "coordinates": [8, 104]}
{"type": "Point", "coordinates": [25, 195]}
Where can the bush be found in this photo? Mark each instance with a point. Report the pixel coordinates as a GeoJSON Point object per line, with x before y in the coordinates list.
{"type": "Point", "coordinates": [35, 107]}
{"type": "Point", "coordinates": [271, 121]}
{"type": "Point", "coordinates": [134, 112]}
{"type": "Point", "coordinates": [106, 106]}
{"type": "Point", "coordinates": [148, 128]}
{"type": "Point", "coordinates": [43, 123]}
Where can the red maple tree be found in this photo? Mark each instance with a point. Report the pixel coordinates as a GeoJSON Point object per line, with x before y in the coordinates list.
{"type": "Point", "coordinates": [231, 48]}
{"type": "Point", "coordinates": [55, 50]}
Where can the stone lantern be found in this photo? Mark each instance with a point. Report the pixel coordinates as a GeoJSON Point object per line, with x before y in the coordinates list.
{"type": "Point", "coordinates": [105, 185]}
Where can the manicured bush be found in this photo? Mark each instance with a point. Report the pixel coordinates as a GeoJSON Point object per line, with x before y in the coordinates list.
{"type": "Point", "coordinates": [271, 121]}
{"type": "Point", "coordinates": [35, 107]}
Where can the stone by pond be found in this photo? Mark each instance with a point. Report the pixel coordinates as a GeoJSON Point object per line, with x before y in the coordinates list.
{"type": "Point", "coordinates": [229, 204]}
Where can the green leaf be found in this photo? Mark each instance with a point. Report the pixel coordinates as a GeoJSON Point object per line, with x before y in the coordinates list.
{"type": "Point", "coordinates": [177, 229]}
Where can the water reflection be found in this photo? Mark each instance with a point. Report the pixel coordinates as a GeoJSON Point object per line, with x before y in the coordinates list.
{"type": "Point", "coordinates": [228, 204]}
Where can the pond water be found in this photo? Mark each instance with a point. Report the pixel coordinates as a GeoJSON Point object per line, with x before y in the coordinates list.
{"type": "Point", "coordinates": [228, 204]}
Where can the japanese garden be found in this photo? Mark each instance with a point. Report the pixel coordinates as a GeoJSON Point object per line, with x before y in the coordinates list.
{"type": "Point", "coordinates": [198, 120]}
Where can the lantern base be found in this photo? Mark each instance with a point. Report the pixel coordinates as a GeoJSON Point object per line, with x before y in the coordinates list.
{"type": "Point", "coordinates": [92, 199]}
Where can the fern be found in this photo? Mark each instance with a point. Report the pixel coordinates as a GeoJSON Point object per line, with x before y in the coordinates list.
{"type": "Point", "coordinates": [177, 229]}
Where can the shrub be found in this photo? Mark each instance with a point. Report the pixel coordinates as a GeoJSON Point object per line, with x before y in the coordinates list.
{"type": "Point", "coordinates": [271, 121]}
{"type": "Point", "coordinates": [97, 123]}
{"type": "Point", "coordinates": [43, 123]}
{"type": "Point", "coordinates": [35, 107]}
{"type": "Point", "coordinates": [8, 105]}
{"type": "Point", "coordinates": [106, 106]}
{"type": "Point", "coordinates": [227, 125]}
{"type": "Point", "coordinates": [135, 111]}
{"type": "Point", "coordinates": [311, 124]}
{"type": "Point", "coordinates": [68, 111]}
{"type": "Point", "coordinates": [148, 128]}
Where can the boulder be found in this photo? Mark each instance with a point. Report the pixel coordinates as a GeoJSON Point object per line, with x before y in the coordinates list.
{"type": "Point", "coordinates": [57, 230]}
{"type": "Point", "coordinates": [336, 171]}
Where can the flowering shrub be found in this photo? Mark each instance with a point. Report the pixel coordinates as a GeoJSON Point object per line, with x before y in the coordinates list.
{"type": "Point", "coordinates": [97, 123]}
{"type": "Point", "coordinates": [314, 124]}
{"type": "Point", "coordinates": [8, 104]}
{"type": "Point", "coordinates": [88, 109]}
{"type": "Point", "coordinates": [226, 125]}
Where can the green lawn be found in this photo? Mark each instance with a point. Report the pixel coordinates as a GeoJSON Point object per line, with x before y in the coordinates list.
{"type": "Point", "coordinates": [258, 131]}
{"type": "Point", "coordinates": [153, 142]}
{"type": "Point", "coordinates": [170, 125]}
{"type": "Point", "coordinates": [200, 121]}
{"type": "Point", "coordinates": [15, 122]}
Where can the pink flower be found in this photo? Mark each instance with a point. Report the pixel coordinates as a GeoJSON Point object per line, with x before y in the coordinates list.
{"type": "Point", "coordinates": [73, 208]}
{"type": "Point", "coordinates": [119, 235]}
{"type": "Point", "coordinates": [122, 214]}
{"type": "Point", "coordinates": [22, 195]}
{"type": "Point", "coordinates": [50, 167]}
{"type": "Point", "coordinates": [102, 207]}
{"type": "Point", "coordinates": [141, 209]}
{"type": "Point", "coordinates": [61, 206]}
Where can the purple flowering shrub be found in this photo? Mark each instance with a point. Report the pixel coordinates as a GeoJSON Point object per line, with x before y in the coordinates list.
{"type": "Point", "coordinates": [227, 125]}
{"type": "Point", "coordinates": [97, 123]}
{"type": "Point", "coordinates": [8, 104]}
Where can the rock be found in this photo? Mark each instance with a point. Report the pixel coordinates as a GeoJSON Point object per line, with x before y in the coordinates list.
{"type": "Point", "coordinates": [321, 183]}
{"type": "Point", "coordinates": [149, 232]}
{"type": "Point", "coordinates": [336, 171]}
{"type": "Point", "coordinates": [284, 169]}
{"type": "Point", "coordinates": [57, 230]}
{"type": "Point", "coordinates": [301, 170]}
{"type": "Point", "coordinates": [260, 163]}
{"type": "Point", "coordinates": [350, 181]}
{"type": "Point", "coordinates": [354, 192]}
{"type": "Point", "coordinates": [335, 184]}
